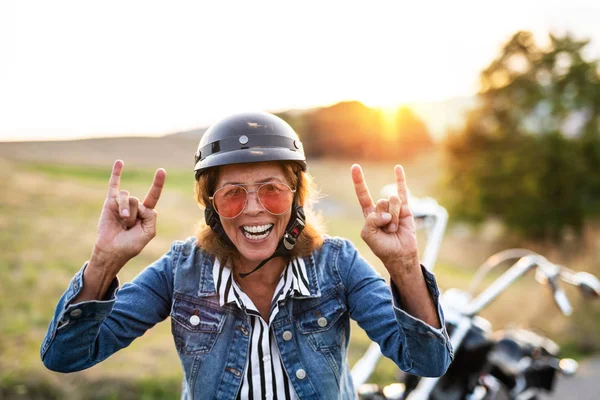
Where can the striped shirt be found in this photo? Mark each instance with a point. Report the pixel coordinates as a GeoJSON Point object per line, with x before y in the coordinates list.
{"type": "Point", "coordinates": [264, 376]}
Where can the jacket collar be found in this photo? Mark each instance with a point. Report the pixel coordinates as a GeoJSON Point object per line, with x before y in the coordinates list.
{"type": "Point", "coordinates": [207, 287]}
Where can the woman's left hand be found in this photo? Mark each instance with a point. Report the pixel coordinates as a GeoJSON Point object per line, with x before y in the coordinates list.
{"type": "Point", "coordinates": [389, 228]}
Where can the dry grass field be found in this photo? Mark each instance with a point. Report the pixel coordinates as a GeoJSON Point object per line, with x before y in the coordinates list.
{"type": "Point", "coordinates": [50, 199]}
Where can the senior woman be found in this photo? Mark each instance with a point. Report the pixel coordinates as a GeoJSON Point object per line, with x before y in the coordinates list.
{"type": "Point", "coordinates": [260, 300]}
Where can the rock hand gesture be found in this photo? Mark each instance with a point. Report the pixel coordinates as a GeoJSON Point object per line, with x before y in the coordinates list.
{"type": "Point", "coordinates": [126, 226]}
{"type": "Point", "coordinates": [390, 232]}
{"type": "Point", "coordinates": [389, 228]}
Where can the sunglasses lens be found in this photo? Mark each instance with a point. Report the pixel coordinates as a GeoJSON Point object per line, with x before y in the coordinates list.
{"type": "Point", "coordinates": [229, 201]}
{"type": "Point", "coordinates": [276, 198]}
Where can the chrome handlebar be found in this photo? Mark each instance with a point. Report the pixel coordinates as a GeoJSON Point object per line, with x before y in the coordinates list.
{"type": "Point", "coordinates": [546, 273]}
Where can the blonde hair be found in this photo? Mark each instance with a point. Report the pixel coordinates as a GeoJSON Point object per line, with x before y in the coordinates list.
{"type": "Point", "coordinates": [309, 240]}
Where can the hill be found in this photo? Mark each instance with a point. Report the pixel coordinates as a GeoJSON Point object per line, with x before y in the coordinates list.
{"type": "Point", "coordinates": [172, 151]}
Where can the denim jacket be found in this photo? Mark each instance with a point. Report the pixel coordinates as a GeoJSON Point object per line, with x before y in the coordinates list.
{"type": "Point", "coordinates": [214, 351]}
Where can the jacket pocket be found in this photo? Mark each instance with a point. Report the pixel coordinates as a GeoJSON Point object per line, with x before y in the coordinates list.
{"type": "Point", "coordinates": [196, 324]}
{"type": "Point", "coordinates": [322, 320]}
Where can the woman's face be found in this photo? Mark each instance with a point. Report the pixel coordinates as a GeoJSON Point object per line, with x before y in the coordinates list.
{"type": "Point", "coordinates": [255, 232]}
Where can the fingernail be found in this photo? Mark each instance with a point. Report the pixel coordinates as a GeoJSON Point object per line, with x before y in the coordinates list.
{"type": "Point", "coordinates": [393, 227]}
{"type": "Point", "coordinates": [125, 212]}
{"type": "Point", "coordinates": [386, 215]}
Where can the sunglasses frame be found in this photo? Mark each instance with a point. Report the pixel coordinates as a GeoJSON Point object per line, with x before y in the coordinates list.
{"type": "Point", "coordinates": [243, 186]}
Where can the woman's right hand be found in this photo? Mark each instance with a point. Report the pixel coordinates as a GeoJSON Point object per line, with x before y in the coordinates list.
{"type": "Point", "coordinates": [126, 225]}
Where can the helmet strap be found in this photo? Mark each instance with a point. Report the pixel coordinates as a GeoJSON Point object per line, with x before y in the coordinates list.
{"type": "Point", "coordinates": [212, 219]}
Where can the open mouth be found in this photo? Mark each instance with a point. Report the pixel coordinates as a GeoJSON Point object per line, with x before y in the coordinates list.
{"type": "Point", "coordinates": [257, 232]}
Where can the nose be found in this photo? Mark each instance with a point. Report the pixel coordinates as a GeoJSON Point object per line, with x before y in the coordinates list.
{"type": "Point", "coordinates": [253, 204]}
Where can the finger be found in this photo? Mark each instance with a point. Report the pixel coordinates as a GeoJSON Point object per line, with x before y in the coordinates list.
{"type": "Point", "coordinates": [401, 184]}
{"type": "Point", "coordinates": [123, 202]}
{"type": "Point", "coordinates": [362, 191]}
{"type": "Point", "coordinates": [155, 190]}
{"type": "Point", "coordinates": [131, 220]}
{"type": "Point", "coordinates": [383, 206]}
{"type": "Point", "coordinates": [148, 217]}
{"type": "Point", "coordinates": [405, 211]}
{"type": "Point", "coordinates": [115, 180]}
{"type": "Point", "coordinates": [375, 221]}
{"type": "Point", "coordinates": [394, 209]}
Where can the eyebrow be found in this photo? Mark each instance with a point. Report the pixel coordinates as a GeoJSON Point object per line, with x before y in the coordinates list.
{"type": "Point", "coordinates": [265, 180]}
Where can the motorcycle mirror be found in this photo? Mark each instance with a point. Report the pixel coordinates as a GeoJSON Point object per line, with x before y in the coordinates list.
{"type": "Point", "coordinates": [588, 284]}
{"type": "Point", "coordinates": [394, 391]}
{"type": "Point", "coordinates": [370, 391]}
{"type": "Point", "coordinates": [568, 366]}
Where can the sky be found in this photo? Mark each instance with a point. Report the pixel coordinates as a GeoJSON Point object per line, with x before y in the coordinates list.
{"type": "Point", "coordinates": [73, 69]}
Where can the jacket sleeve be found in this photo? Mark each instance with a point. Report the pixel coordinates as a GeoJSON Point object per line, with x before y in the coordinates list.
{"type": "Point", "coordinates": [83, 334]}
{"type": "Point", "coordinates": [415, 346]}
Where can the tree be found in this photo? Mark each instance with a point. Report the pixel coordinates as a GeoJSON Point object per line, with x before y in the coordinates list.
{"type": "Point", "coordinates": [350, 129]}
{"type": "Point", "coordinates": [411, 133]}
{"type": "Point", "coordinates": [345, 129]}
{"type": "Point", "coordinates": [530, 152]}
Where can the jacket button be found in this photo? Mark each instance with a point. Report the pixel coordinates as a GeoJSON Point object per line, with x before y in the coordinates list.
{"type": "Point", "coordinates": [194, 320]}
{"type": "Point", "coordinates": [301, 374]}
{"type": "Point", "coordinates": [75, 313]}
{"type": "Point", "coordinates": [322, 322]}
{"type": "Point", "coordinates": [287, 335]}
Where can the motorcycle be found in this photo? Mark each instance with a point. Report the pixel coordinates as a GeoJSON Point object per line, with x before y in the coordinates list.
{"type": "Point", "coordinates": [515, 364]}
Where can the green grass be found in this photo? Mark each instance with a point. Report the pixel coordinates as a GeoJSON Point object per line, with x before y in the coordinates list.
{"type": "Point", "coordinates": [177, 179]}
{"type": "Point", "coordinates": [48, 216]}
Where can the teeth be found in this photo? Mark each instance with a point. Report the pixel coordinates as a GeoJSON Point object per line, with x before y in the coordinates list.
{"type": "Point", "coordinates": [257, 228]}
{"type": "Point", "coordinates": [257, 232]}
{"type": "Point", "coordinates": [256, 237]}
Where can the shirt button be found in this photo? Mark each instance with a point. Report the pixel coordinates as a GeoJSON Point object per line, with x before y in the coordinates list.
{"type": "Point", "coordinates": [322, 322]}
{"type": "Point", "coordinates": [267, 359]}
{"type": "Point", "coordinates": [301, 374]}
{"type": "Point", "coordinates": [194, 320]}
{"type": "Point", "coordinates": [287, 335]}
{"type": "Point", "coordinates": [75, 313]}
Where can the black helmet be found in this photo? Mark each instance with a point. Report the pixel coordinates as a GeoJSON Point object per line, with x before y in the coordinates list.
{"type": "Point", "coordinates": [248, 137]}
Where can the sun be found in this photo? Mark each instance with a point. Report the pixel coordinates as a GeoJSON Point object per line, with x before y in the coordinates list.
{"type": "Point", "coordinates": [388, 118]}
{"type": "Point", "coordinates": [384, 101]}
